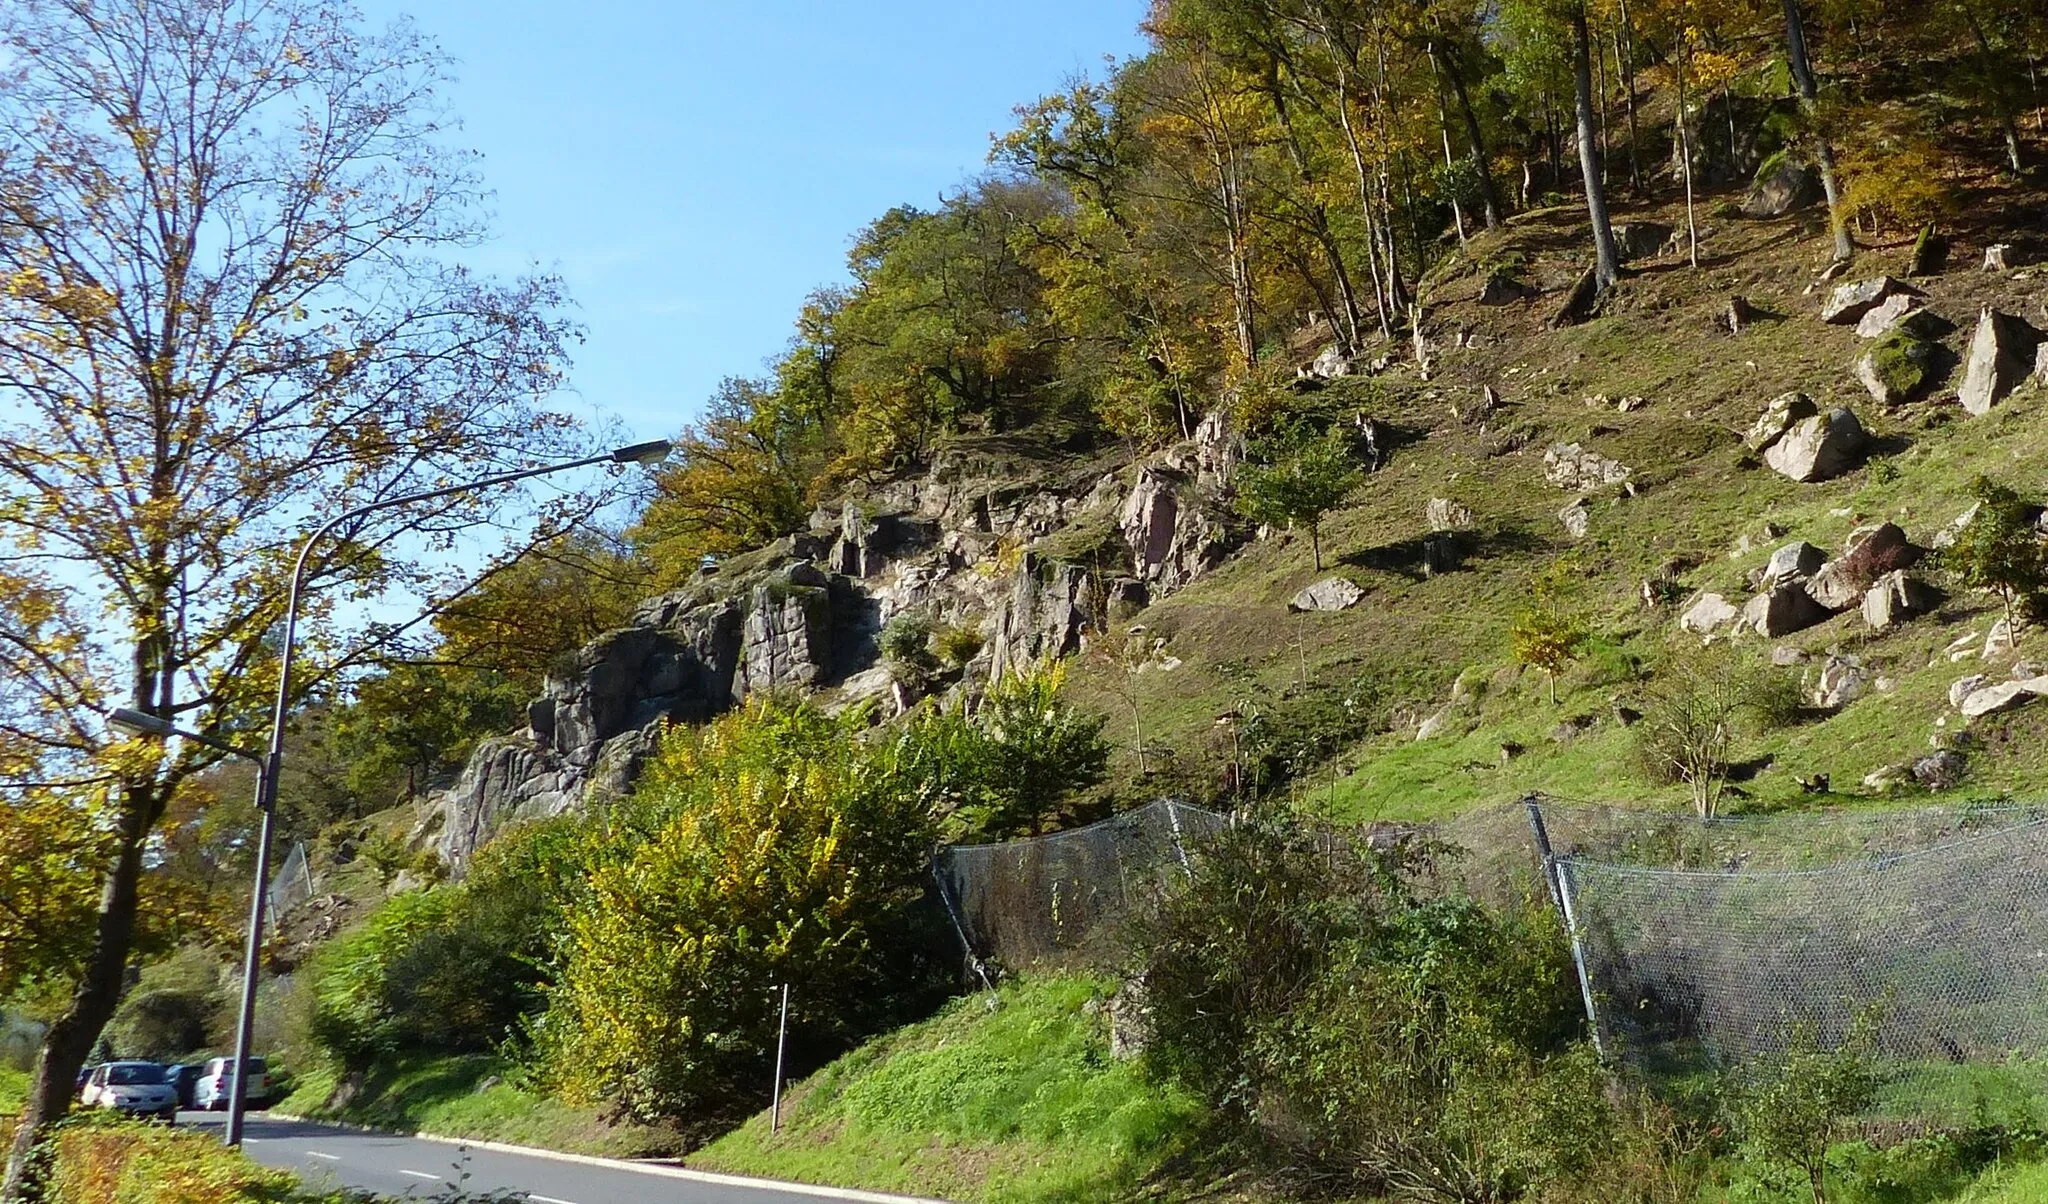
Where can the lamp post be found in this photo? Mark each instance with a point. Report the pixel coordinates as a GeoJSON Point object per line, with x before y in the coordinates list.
{"type": "Point", "coordinates": [649, 453]}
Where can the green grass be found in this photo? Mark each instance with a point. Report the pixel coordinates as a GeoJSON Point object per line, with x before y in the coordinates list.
{"type": "Point", "coordinates": [1019, 1102]}
{"type": "Point", "coordinates": [13, 1089]}
{"type": "Point", "coordinates": [447, 1096]}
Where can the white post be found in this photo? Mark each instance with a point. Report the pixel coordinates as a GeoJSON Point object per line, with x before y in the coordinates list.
{"type": "Point", "coordinates": [781, 1037]}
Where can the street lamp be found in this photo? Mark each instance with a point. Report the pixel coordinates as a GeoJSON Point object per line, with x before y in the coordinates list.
{"type": "Point", "coordinates": [649, 453]}
{"type": "Point", "coordinates": [135, 723]}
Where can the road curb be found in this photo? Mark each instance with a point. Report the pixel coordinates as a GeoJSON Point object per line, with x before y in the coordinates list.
{"type": "Point", "coordinates": [661, 1169]}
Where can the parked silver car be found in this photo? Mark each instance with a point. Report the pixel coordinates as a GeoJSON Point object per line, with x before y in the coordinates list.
{"type": "Point", "coordinates": [216, 1084]}
{"type": "Point", "coordinates": [140, 1088]}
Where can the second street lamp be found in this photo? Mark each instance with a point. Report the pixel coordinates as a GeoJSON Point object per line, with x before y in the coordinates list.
{"type": "Point", "coordinates": [649, 453]}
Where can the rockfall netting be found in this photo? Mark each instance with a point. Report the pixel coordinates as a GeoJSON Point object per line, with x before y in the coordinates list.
{"type": "Point", "coordinates": [1060, 897]}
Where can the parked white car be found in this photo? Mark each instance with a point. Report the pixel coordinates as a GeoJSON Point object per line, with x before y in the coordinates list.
{"type": "Point", "coordinates": [140, 1088]}
{"type": "Point", "coordinates": [216, 1085]}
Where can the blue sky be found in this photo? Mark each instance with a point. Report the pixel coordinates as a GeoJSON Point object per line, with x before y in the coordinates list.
{"type": "Point", "coordinates": [693, 170]}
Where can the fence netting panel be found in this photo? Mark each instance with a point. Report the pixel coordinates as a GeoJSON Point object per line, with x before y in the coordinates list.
{"type": "Point", "coordinates": [293, 882]}
{"type": "Point", "coordinates": [1720, 939]}
{"type": "Point", "coordinates": [1061, 897]}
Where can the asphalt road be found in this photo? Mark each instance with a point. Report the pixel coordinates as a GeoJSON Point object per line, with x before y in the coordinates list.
{"type": "Point", "coordinates": [407, 1167]}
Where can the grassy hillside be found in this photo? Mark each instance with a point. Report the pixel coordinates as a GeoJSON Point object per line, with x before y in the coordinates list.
{"type": "Point", "coordinates": [1697, 511]}
{"type": "Point", "coordinates": [1012, 1099]}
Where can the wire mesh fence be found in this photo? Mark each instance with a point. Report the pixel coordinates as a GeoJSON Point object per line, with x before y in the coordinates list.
{"type": "Point", "coordinates": [1059, 898]}
{"type": "Point", "coordinates": [1714, 941]}
{"type": "Point", "coordinates": [292, 884]}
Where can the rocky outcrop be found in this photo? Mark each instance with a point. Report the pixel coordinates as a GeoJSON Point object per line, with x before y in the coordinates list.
{"type": "Point", "coordinates": [1042, 615]}
{"type": "Point", "coordinates": [1570, 466]}
{"type": "Point", "coordinates": [1443, 514]}
{"type": "Point", "coordinates": [1900, 311]}
{"type": "Point", "coordinates": [1793, 562]}
{"type": "Point", "coordinates": [1782, 610]}
{"type": "Point", "coordinates": [508, 778]}
{"type": "Point", "coordinates": [1897, 597]}
{"type": "Point", "coordinates": [2003, 696]}
{"type": "Point", "coordinates": [1817, 448]}
{"type": "Point", "coordinates": [2001, 352]}
{"type": "Point", "coordinates": [1175, 535]}
{"type": "Point", "coordinates": [1872, 552]}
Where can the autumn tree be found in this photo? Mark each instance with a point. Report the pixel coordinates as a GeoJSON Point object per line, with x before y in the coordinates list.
{"type": "Point", "coordinates": [2000, 551]}
{"type": "Point", "coordinates": [1549, 633]}
{"type": "Point", "coordinates": [228, 314]}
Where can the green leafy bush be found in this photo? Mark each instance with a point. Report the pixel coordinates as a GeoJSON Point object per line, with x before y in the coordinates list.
{"type": "Point", "coordinates": [1423, 1046]}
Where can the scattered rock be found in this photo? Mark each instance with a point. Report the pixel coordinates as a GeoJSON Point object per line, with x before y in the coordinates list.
{"type": "Point", "coordinates": [1847, 304]}
{"type": "Point", "coordinates": [1998, 639]}
{"type": "Point", "coordinates": [1898, 367]}
{"type": "Point", "coordinates": [2000, 354]}
{"type": "Point", "coordinates": [1946, 537]}
{"type": "Point", "coordinates": [1572, 728]}
{"type": "Point", "coordinates": [1988, 700]}
{"type": "Point", "coordinates": [1793, 562]}
{"type": "Point", "coordinates": [1887, 779]}
{"type": "Point", "coordinates": [2000, 257]}
{"type": "Point", "coordinates": [1784, 411]}
{"type": "Point", "coordinates": [1629, 405]}
{"type": "Point", "coordinates": [1963, 687]}
{"type": "Point", "coordinates": [1435, 724]}
{"type": "Point", "coordinates": [1782, 610]}
{"type": "Point", "coordinates": [1872, 553]}
{"type": "Point", "coordinates": [1896, 598]}
{"type": "Point", "coordinates": [1817, 448]}
{"type": "Point", "coordinates": [1641, 240]}
{"type": "Point", "coordinates": [1708, 613]}
{"type": "Point", "coordinates": [1577, 519]}
{"type": "Point", "coordinates": [1502, 289]}
{"type": "Point", "coordinates": [1578, 301]}
{"type": "Point", "coordinates": [1443, 514]}
{"type": "Point", "coordinates": [1479, 410]}
{"type": "Point", "coordinates": [1841, 682]}
{"type": "Point", "coordinates": [1941, 770]}
{"type": "Point", "coordinates": [1569, 466]}
{"type": "Point", "coordinates": [1785, 655]}
{"type": "Point", "coordinates": [1331, 593]}
{"type": "Point", "coordinates": [1788, 189]}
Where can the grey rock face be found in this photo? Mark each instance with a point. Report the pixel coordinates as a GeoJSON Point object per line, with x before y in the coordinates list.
{"type": "Point", "coordinates": [1708, 614]}
{"type": "Point", "coordinates": [1641, 240]}
{"type": "Point", "coordinates": [1781, 611]}
{"type": "Point", "coordinates": [1817, 448]}
{"type": "Point", "coordinates": [2004, 696]}
{"type": "Point", "coordinates": [1790, 563]}
{"type": "Point", "coordinates": [1331, 593]}
{"type": "Point", "coordinates": [1900, 311]}
{"type": "Point", "coordinates": [1841, 682]}
{"type": "Point", "coordinates": [1940, 770]}
{"type": "Point", "coordinates": [1847, 304]}
{"type": "Point", "coordinates": [1787, 190]}
{"type": "Point", "coordinates": [1043, 613]}
{"type": "Point", "coordinates": [1784, 412]}
{"type": "Point", "coordinates": [1963, 687]}
{"type": "Point", "coordinates": [2001, 353]}
{"type": "Point", "coordinates": [1577, 519]}
{"type": "Point", "coordinates": [507, 778]}
{"type": "Point", "coordinates": [1443, 514]}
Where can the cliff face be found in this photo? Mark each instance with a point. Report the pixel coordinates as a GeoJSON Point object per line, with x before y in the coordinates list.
{"type": "Point", "coordinates": [1029, 560]}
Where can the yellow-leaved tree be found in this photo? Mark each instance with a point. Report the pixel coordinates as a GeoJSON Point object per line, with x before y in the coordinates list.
{"type": "Point", "coordinates": [228, 312]}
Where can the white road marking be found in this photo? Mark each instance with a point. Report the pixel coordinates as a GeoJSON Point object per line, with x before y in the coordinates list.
{"type": "Point", "coordinates": [318, 1154]}
{"type": "Point", "coordinates": [418, 1174]}
{"type": "Point", "coordinates": [547, 1199]}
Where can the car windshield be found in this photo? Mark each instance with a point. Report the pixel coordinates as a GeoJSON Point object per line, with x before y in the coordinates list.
{"type": "Point", "coordinates": [135, 1074]}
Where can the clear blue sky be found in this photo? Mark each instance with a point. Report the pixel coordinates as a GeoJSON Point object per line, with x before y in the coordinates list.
{"type": "Point", "coordinates": [693, 170]}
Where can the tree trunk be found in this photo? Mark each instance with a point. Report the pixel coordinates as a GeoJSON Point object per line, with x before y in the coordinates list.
{"type": "Point", "coordinates": [1624, 58]}
{"type": "Point", "coordinates": [1824, 150]}
{"type": "Point", "coordinates": [1606, 264]}
{"type": "Point", "coordinates": [1315, 546]}
{"type": "Point", "coordinates": [1443, 125]}
{"type": "Point", "coordinates": [1692, 229]}
{"type": "Point", "coordinates": [1999, 105]}
{"type": "Point", "coordinates": [53, 1084]}
{"type": "Point", "coordinates": [1489, 196]}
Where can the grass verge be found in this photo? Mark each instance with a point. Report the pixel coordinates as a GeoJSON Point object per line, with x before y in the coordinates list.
{"type": "Point", "coordinates": [465, 1096]}
{"type": "Point", "coordinates": [1017, 1101]}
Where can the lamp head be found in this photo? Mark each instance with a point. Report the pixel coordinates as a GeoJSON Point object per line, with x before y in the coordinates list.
{"type": "Point", "coordinates": [650, 453]}
{"type": "Point", "coordinates": [134, 723]}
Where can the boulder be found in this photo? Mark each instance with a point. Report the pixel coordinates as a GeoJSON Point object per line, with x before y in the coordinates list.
{"type": "Point", "coordinates": [2001, 352]}
{"type": "Point", "coordinates": [1817, 448]}
{"type": "Point", "coordinates": [1899, 312]}
{"type": "Point", "coordinates": [1787, 189]}
{"type": "Point", "coordinates": [1872, 553]}
{"type": "Point", "coordinates": [1898, 367]}
{"type": "Point", "coordinates": [1792, 562]}
{"type": "Point", "coordinates": [1941, 770]}
{"type": "Point", "coordinates": [1329, 364]}
{"type": "Point", "coordinates": [1841, 682]}
{"type": "Point", "coordinates": [1895, 598]}
{"type": "Point", "coordinates": [1173, 537]}
{"type": "Point", "coordinates": [1577, 519]}
{"type": "Point", "coordinates": [1784, 412]}
{"type": "Point", "coordinates": [1963, 687]}
{"type": "Point", "coordinates": [1641, 240]}
{"type": "Point", "coordinates": [1782, 610]}
{"type": "Point", "coordinates": [1443, 514]}
{"type": "Point", "coordinates": [1570, 466]}
{"type": "Point", "coordinates": [1847, 304]}
{"type": "Point", "coordinates": [1331, 593]}
{"type": "Point", "coordinates": [1708, 613]}
{"type": "Point", "coordinates": [2004, 696]}
{"type": "Point", "coordinates": [1501, 288]}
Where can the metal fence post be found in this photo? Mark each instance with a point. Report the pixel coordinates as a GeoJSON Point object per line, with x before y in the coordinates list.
{"type": "Point", "coordinates": [1557, 873]}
